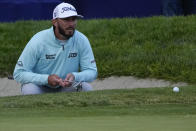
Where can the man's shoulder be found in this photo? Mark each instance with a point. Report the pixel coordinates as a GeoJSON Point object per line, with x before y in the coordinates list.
{"type": "Point", "coordinates": [40, 38]}
{"type": "Point", "coordinates": [80, 35]}
{"type": "Point", "coordinates": [44, 33]}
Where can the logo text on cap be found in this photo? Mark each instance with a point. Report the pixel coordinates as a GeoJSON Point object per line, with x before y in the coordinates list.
{"type": "Point", "coordinates": [67, 9]}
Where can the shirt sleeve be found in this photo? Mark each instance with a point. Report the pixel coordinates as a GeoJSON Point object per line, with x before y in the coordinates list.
{"type": "Point", "coordinates": [23, 72]}
{"type": "Point", "coordinates": [88, 68]}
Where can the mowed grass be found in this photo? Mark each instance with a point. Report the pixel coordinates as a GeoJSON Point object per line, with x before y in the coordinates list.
{"type": "Point", "coordinates": [156, 47]}
{"type": "Point", "coordinates": [147, 109]}
{"type": "Point", "coordinates": [115, 123]}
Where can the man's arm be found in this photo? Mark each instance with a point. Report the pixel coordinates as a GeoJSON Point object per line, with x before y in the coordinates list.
{"type": "Point", "coordinates": [26, 62]}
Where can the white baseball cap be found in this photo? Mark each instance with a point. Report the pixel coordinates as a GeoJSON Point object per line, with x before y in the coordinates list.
{"type": "Point", "coordinates": [65, 10]}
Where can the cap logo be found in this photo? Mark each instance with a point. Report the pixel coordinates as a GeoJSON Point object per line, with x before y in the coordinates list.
{"type": "Point", "coordinates": [67, 9]}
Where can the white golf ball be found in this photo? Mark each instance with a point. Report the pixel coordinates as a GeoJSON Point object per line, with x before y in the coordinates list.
{"type": "Point", "coordinates": [176, 89]}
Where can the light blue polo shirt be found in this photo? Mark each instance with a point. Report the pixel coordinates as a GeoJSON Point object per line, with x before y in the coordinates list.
{"type": "Point", "coordinates": [45, 55]}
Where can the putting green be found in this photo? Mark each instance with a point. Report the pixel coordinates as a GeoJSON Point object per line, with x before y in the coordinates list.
{"type": "Point", "coordinates": [100, 123]}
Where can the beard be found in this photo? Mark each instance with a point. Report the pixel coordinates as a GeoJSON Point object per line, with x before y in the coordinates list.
{"type": "Point", "coordinates": [62, 32]}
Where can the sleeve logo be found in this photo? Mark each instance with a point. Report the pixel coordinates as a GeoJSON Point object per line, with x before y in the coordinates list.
{"type": "Point", "coordinates": [19, 63]}
{"type": "Point", "coordinates": [93, 61]}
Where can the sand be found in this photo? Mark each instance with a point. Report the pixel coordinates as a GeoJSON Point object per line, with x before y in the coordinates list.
{"type": "Point", "coordinates": [12, 88]}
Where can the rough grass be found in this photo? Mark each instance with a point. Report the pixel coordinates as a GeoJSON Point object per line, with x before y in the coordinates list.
{"type": "Point", "coordinates": [157, 47]}
{"type": "Point", "coordinates": [119, 98]}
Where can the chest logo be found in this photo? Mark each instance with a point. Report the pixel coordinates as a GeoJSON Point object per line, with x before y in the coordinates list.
{"type": "Point", "coordinates": [72, 55]}
{"type": "Point", "coordinates": [50, 56]}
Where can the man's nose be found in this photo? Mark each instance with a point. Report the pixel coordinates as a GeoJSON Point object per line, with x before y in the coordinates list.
{"type": "Point", "coordinates": [71, 22]}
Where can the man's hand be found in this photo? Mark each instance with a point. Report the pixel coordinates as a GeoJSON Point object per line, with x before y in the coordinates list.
{"type": "Point", "coordinates": [54, 80]}
{"type": "Point", "coordinates": [68, 80]}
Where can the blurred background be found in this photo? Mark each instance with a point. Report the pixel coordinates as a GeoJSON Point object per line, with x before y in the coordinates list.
{"type": "Point", "coordinates": [13, 10]}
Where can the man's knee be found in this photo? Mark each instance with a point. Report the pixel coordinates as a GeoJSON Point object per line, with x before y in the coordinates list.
{"type": "Point", "coordinates": [30, 89]}
{"type": "Point", "coordinates": [86, 87]}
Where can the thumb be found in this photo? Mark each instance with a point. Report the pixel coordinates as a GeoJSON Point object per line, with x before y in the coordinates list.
{"type": "Point", "coordinates": [70, 77]}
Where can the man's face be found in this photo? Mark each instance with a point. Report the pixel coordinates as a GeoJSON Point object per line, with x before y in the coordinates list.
{"type": "Point", "coordinates": [66, 26]}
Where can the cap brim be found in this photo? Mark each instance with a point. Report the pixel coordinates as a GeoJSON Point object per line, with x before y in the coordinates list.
{"type": "Point", "coordinates": [78, 16]}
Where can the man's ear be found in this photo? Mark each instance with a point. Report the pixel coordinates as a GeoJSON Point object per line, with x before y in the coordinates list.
{"type": "Point", "coordinates": [54, 22]}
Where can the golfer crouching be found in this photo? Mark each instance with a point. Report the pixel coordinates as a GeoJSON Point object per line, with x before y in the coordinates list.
{"type": "Point", "coordinates": [58, 59]}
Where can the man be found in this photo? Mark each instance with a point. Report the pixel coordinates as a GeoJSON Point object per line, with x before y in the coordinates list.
{"type": "Point", "coordinates": [51, 60]}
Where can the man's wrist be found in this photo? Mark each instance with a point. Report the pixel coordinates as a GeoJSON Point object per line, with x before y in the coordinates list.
{"type": "Point", "coordinates": [45, 79]}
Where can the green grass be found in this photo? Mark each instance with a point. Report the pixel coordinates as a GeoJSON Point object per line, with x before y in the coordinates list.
{"type": "Point", "coordinates": [149, 109]}
{"type": "Point", "coordinates": [157, 47]}
{"type": "Point", "coordinates": [125, 123]}
{"type": "Point", "coordinates": [141, 97]}
{"type": "Point", "coordinates": [103, 98]}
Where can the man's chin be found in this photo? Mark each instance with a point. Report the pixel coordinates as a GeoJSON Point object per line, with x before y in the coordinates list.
{"type": "Point", "coordinates": [69, 34]}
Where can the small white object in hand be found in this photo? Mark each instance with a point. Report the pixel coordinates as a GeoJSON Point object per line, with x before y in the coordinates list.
{"type": "Point", "coordinates": [176, 89]}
